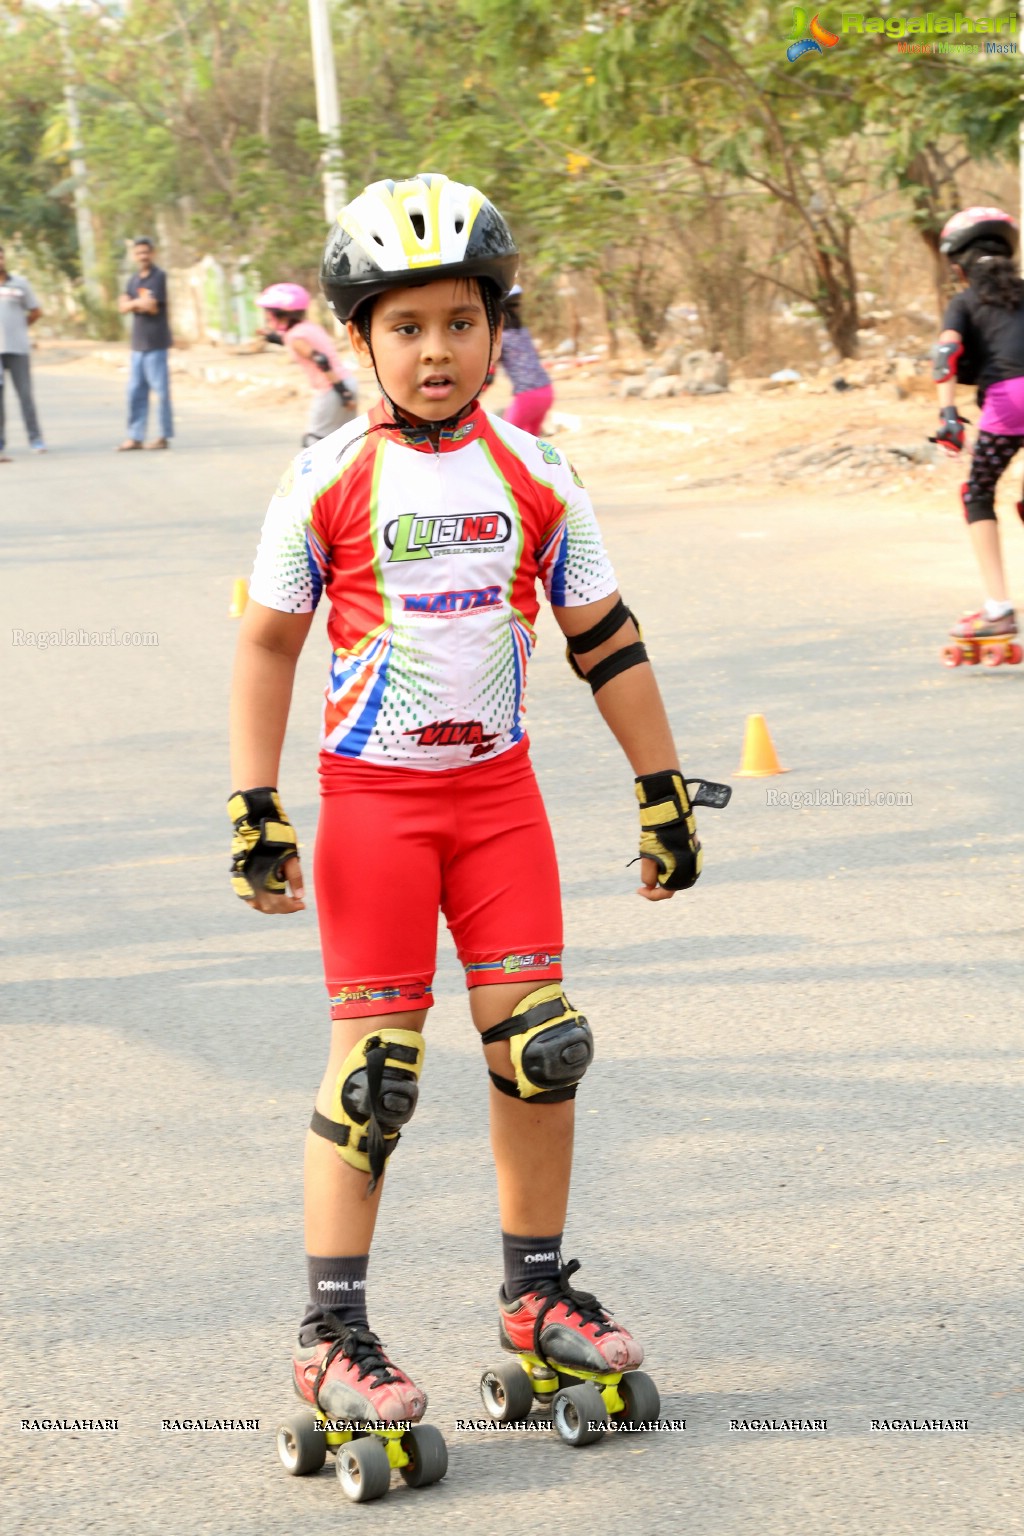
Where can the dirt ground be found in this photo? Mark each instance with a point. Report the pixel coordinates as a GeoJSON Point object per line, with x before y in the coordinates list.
{"type": "Point", "coordinates": [809, 436]}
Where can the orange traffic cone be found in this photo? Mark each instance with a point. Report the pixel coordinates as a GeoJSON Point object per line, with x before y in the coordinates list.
{"type": "Point", "coordinates": [759, 759]}
{"type": "Point", "coordinates": [239, 598]}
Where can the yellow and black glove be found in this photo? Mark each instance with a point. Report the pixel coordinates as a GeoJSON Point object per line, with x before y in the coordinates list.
{"type": "Point", "coordinates": [264, 841]}
{"type": "Point", "coordinates": [668, 829]}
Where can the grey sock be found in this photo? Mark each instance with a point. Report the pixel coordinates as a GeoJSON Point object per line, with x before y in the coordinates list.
{"type": "Point", "coordinates": [529, 1259]}
{"type": "Point", "coordinates": [336, 1285]}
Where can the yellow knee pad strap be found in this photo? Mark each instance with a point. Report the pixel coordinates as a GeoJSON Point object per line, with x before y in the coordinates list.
{"type": "Point", "coordinates": [374, 1095]}
{"type": "Point", "coordinates": [550, 1044]}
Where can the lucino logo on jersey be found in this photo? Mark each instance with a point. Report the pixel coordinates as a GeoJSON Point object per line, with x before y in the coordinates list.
{"type": "Point", "coordinates": [449, 605]}
{"type": "Point", "coordinates": [411, 537]}
{"type": "Point", "coordinates": [456, 733]}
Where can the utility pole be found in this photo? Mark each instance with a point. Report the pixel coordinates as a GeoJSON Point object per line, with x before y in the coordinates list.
{"type": "Point", "coordinates": [328, 112]}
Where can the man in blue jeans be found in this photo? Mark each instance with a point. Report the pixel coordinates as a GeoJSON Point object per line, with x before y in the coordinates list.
{"type": "Point", "coordinates": [145, 299]}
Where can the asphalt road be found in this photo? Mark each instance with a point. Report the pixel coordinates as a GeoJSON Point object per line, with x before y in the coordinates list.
{"type": "Point", "coordinates": [799, 1169]}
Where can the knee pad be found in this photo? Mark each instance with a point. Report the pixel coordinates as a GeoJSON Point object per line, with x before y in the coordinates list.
{"type": "Point", "coordinates": [374, 1095]}
{"type": "Point", "coordinates": [978, 509]}
{"type": "Point", "coordinates": [551, 1047]}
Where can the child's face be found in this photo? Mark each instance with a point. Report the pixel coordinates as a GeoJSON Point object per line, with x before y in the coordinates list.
{"type": "Point", "coordinates": [430, 345]}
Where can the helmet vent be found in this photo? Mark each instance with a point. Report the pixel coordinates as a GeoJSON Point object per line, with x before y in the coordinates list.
{"type": "Point", "coordinates": [418, 224]}
{"type": "Point", "coordinates": [460, 224]}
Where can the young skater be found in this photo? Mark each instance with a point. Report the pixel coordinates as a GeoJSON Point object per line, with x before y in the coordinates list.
{"type": "Point", "coordinates": [426, 524]}
{"type": "Point", "coordinates": [332, 403]}
{"type": "Point", "coordinates": [982, 342]}
{"type": "Point", "coordinates": [532, 392]}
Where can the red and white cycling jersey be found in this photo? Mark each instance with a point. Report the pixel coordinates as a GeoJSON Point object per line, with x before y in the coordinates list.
{"type": "Point", "coordinates": [430, 559]}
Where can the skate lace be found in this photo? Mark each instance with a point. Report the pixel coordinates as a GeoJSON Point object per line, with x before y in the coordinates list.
{"type": "Point", "coordinates": [558, 1290]}
{"type": "Point", "coordinates": [360, 1345]}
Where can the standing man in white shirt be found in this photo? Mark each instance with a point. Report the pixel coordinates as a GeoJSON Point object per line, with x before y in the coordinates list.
{"type": "Point", "coordinates": [19, 308]}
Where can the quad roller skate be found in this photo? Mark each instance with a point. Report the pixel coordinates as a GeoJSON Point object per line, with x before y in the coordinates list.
{"type": "Point", "coordinates": [992, 642]}
{"type": "Point", "coordinates": [364, 1410]}
{"type": "Point", "coordinates": [571, 1355]}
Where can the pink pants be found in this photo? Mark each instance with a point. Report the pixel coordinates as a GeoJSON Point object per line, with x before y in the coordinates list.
{"type": "Point", "coordinates": [529, 409]}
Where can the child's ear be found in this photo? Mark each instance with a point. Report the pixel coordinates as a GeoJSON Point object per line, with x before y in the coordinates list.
{"type": "Point", "coordinates": [358, 342]}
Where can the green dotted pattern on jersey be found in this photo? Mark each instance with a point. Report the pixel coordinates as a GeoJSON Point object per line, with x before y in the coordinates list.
{"type": "Point", "coordinates": [581, 532]}
{"type": "Point", "coordinates": [588, 559]}
{"type": "Point", "coordinates": [495, 698]}
{"type": "Point", "coordinates": [292, 575]}
{"type": "Point", "coordinates": [411, 699]}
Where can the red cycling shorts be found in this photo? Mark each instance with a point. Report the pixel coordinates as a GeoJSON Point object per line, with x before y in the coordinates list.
{"type": "Point", "coordinates": [397, 845]}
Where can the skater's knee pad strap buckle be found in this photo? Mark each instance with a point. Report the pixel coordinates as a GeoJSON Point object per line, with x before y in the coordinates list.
{"type": "Point", "coordinates": [550, 1044]}
{"type": "Point", "coordinates": [375, 1094]}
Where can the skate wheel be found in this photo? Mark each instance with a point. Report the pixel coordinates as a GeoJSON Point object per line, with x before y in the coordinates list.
{"type": "Point", "coordinates": [363, 1469]}
{"type": "Point", "coordinates": [641, 1397]}
{"type": "Point", "coordinates": [993, 657]}
{"type": "Point", "coordinates": [507, 1392]}
{"type": "Point", "coordinates": [301, 1445]}
{"type": "Point", "coordinates": [1015, 656]}
{"type": "Point", "coordinates": [579, 1413]}
{"type": "Point", "coordinates": [428, 1456]}
{"type": "Point", "coordinates": [952, 656]}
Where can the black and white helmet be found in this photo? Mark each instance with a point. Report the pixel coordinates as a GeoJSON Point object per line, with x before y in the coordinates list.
{"type": "Point", "coordinates": [396, 234]}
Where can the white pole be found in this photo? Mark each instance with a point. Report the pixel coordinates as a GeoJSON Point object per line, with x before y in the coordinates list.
{"type": "Point", "coordinates": [79, 174]}
{"type": "Point", "coordinates": [328, 112]}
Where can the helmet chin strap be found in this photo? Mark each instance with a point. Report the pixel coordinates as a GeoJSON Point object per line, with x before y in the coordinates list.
{"type": "Point", "coordinates": [435, 428]}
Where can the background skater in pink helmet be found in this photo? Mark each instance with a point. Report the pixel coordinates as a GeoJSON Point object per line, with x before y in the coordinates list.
{"type": "Point", "coordinates": [982, 343]}
{"type": "Point", "coordinates": [334, 387]}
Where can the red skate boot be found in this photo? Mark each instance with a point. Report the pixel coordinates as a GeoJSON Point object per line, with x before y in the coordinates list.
{"type": "Point", "coordinates": [566, 1328]}
{"type": "Point", "coordinates": [981, 639]}
{"type": "Point", "coordinates": [346, 1374]}
{"type": "Point", "coordinates": [978, 626]}
{"type": "Point", "coordinates": [364, 1410]}
{"type": "Point", "coordinates": [572, 1354]}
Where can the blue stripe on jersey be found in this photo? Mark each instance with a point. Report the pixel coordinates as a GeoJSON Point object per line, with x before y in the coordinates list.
{"type": "Point", "coordinates": [520, 656]}
{"type": "Point", "coordinates": [316, 562]}
{"type": "Point", "coordinates": [359, 735]}
{"type": "Point", "coordinates": [361, 722]}
{"type": "Point", "coordinates": [552, 556]}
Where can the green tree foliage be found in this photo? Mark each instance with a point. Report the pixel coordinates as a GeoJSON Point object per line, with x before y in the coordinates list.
{"type": "Point", "coordinates": [35, 196]}
{"type": "Point", "coordinates": [667, 148]}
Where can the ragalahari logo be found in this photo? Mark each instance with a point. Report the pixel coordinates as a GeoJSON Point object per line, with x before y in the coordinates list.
{"type": "Point", "coordinates": [819, 39]}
